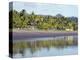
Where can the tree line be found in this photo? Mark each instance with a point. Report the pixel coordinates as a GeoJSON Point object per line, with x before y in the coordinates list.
{"type": "Point", "coordinates": [26, 20]}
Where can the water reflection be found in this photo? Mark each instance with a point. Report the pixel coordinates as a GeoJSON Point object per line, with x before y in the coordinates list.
{"type": "Point", "coordinates": [62, 45]}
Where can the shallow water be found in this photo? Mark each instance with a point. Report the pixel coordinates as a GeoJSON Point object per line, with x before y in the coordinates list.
{"type": "Point", "coordinates": [47, 46]}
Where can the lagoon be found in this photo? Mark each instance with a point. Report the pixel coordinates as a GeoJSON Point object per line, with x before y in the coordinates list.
{"type": "Point", "coordinates": [45, 46]}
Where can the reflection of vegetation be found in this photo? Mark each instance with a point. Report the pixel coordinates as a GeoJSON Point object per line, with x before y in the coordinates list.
{"type": "Point", "coordinates": [23, 20]}
{"type": "Point", "coordinates": [35, 45]}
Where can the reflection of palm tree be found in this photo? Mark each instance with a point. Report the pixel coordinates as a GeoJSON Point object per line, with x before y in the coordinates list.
{"type": "Point", "coordinates": [22, 51]}
{"type": "Point", "coordinates": [32, 45]}
{"type": "Point", "coordinates": [48, 48]}
{"type": "Point", "coordinates": [34, 49]}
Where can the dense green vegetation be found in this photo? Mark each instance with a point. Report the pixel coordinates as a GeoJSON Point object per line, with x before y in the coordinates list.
{"type": "Point", "coordinates": [23, 20]}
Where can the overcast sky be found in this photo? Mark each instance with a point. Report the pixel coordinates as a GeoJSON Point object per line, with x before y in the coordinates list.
{"type": "Point", "coordinates": [47, 8]}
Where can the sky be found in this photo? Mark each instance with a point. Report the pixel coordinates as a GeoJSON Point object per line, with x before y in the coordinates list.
{"type": "Point", "coordinates": [47, 8]}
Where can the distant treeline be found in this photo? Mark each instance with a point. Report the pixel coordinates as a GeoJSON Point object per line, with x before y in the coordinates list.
{"type": "Point", "coordinates": [23, 19]}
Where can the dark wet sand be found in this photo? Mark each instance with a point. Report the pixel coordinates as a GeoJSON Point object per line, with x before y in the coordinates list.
{"type": "Point", "coordinates": [27, 35]}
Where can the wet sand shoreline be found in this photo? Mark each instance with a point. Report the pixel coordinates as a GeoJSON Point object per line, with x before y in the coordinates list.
{"type": "Point", "coordinates": [27, 35]}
